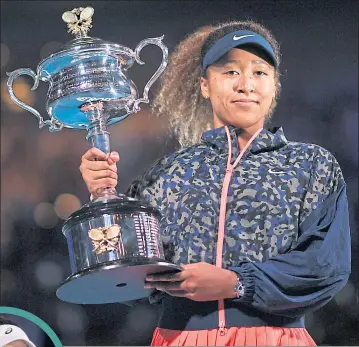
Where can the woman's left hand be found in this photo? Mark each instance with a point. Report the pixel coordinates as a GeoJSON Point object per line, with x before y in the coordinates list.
{"type": "Point", "coordinates": [199, 282]}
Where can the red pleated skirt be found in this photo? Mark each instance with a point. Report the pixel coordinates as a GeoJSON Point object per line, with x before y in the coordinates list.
{"type": "Point", "coordinates": [244, 336]}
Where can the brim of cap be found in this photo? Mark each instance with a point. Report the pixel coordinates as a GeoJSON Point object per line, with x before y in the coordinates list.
{"type": "Point", "coordinates": [254, 41]}
{"type": "Point", "coordinates": [271, 58]}
{"type": "Point", "coordinates": [228, 42]}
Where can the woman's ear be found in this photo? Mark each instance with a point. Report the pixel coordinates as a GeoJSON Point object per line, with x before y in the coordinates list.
{"type": "Point", "coordinates": [204, 87]}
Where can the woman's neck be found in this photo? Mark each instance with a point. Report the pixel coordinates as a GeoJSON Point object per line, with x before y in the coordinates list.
{"type": "Point", "coordinates": [246, 134]}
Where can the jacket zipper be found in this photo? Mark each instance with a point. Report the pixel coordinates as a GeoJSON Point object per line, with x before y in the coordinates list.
{"type": "Point", "coordinates": [222, 218]}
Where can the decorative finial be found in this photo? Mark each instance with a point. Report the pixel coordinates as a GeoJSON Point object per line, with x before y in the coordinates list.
{"type": "Point", "coordinates": [79, 20]}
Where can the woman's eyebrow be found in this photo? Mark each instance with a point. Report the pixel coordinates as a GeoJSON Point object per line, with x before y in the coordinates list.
{"type": "Point", "coordinates": [231, 61]}
{"type": "Point", "coordinates": [257, 61]}
{"type": "Point", "coordinates": [262, 62]}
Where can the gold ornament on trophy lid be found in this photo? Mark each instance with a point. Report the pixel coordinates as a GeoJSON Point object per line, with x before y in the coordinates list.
{"type": "Point", "coordinates": [79, 20]}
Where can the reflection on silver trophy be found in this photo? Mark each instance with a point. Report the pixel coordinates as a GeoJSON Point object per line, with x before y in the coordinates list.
{"type": "Point", "coordinates": [113, 241]}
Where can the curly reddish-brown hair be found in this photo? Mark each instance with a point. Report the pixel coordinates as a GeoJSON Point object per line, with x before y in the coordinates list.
{"type": "Point", "coordinates": [179, 97]}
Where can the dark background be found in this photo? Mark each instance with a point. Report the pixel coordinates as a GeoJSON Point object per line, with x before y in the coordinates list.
{"type": "Point", "coordinates": [41, 183]}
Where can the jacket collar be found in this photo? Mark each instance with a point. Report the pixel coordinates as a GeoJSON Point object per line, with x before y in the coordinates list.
{"type": "Point", "coordinates": [267, 140]}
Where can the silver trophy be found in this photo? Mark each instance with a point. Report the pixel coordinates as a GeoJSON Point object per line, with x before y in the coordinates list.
{"type": "Point", "coordinates": [114, 241]}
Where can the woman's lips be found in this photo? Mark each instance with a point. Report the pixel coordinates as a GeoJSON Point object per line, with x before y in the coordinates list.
{"type": "Point", "coordinates": [245, 102]}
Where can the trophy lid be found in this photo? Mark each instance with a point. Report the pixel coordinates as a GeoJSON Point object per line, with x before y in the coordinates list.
{"type": "Point", "coordinates": [79, 23]}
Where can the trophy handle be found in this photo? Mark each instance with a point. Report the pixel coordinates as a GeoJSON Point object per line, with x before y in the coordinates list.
{"type": "Point", "coordinates": [53, 124]}
{"type": "Point", "coordinates": [151, 41]}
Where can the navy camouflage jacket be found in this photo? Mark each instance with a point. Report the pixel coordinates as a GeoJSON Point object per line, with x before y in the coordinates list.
{"type": "Point", "coordinates": [286, 234]}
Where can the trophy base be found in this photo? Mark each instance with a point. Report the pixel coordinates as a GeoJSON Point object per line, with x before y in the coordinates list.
{"type": "Point", "coordinates": [116, 281]}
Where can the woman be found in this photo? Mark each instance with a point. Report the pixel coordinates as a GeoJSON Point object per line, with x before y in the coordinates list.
{"type": "Point", "coordinates": [259, 223]}
{"type": "Point", "coordinates": [13, 336]}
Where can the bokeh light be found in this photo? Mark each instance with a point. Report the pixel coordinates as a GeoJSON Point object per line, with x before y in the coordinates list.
{"type": "Point", "coordinates": [45, 215]}
{"type": "Point", "coordinates": [48, 274]}
{"type": "Point", "coordinates": [66, 204]}
{"type": "Point", "coordinates": [71, 319]}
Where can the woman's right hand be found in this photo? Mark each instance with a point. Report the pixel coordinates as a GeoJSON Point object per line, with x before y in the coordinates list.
{"type": "Point", "coordinates": [99, 169]}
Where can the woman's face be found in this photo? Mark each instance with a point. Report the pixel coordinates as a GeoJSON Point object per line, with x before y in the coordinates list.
{"type": "Point", "coordinates": [241, 87]}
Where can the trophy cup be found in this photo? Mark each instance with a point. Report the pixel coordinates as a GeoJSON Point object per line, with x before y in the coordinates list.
{"type": "Point", "coordinates": [113, 241]}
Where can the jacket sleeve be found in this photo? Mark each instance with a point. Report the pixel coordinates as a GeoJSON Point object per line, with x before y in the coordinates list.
{"type": "Point", "coordinates": [317, 266]}
{"type": "Point", "coordinates": [149, 186]}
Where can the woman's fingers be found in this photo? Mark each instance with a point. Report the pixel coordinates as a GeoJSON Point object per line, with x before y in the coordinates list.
{"type": "Point", "coordinates": [172, 288]}
{"type": "Point", "coordinates": [97, 166]}
{"type": "Point", "coordinates": [99, 169]}
{"type": "Point", "coordinates": [96, 175]}
{"type": "Point", "coordinates": [94, 154]}
{"type": "Point", "coordinates": [171, 277]}
{"type": "Point", "coordinates": [113, 158]}
{"type": "Point", "coordinates": [164, 285]}
{"type": "Point", "coordinates": [101, 183]}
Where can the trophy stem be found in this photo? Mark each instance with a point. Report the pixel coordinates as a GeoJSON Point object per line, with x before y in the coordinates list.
{"type": "Point", "coordinates": [80, 35]}
{"type": "Point", "coordinates": [97, 134]}
{"type": "Point", "coordinates": [99, 137]}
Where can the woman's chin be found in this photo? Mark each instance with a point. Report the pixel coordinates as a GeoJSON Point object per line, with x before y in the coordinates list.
{"type": "Point", "coordinates": [247, 123]}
